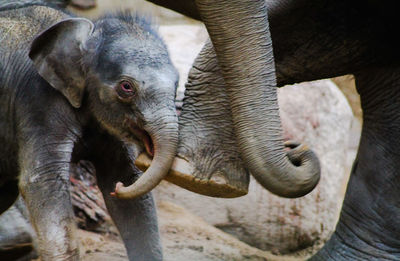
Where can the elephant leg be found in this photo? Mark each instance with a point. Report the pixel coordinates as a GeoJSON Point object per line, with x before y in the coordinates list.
{"type": "Point", "coordinates": [369, 225]}
{"type": "Point", "coordinates": [8, 194]}
{"type": "Point", "coordinates": [135, 219]}
{"type": "Point", "coordinates": [44, 185]}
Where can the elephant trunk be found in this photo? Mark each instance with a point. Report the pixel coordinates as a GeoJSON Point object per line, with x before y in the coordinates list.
{"type": "Point", "coordinates": [241, 38]}
{"type": "Point", "coordinates": [164, 137]}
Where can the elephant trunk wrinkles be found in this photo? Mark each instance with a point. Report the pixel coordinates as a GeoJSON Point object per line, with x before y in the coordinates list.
{"type": "Point", "coordinates": [240, 35]}
{"type": "Point", "coordinates": [165, 140]}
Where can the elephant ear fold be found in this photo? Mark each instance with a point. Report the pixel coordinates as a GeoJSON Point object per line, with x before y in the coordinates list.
{"type": "Point", "coordinates": [57, 54]}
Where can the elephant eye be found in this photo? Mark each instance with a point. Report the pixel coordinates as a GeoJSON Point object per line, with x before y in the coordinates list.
{"type": "Point", "coordinates": [125, 90]}
{"type": "Point", "coordinates": [126, 87]}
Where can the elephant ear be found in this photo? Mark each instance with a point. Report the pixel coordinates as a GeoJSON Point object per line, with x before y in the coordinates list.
{"type": "Point", "coordinates": [57, 54]}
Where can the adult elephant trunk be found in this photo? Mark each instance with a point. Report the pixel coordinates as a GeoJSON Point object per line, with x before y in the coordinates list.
{"type": "Point", "coordinates": [240, 35]}
{"type": "Point", "coordinates": [164, 139]}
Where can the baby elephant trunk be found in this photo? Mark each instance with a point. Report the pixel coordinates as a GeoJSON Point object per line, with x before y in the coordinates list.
{"type": "Point", "coordinates": [164, 136]}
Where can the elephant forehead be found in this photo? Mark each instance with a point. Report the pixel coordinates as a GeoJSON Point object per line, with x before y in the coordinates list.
{"type": "Point", "coordinates": [142, 52]}
{"type": "Point", "coordinates": [132, 57]}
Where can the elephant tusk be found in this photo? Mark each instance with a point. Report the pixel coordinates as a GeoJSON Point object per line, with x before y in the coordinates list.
{"type": "Point", "coordinates": [182, 174]}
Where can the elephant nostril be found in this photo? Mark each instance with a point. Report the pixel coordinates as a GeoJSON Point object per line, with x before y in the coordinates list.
{"type": "Point", "coordinates": [292, 144]}
{"type": "Point", "coordinates": [295, 161]}
{"type": "Point", "coordinates": [294, 152]}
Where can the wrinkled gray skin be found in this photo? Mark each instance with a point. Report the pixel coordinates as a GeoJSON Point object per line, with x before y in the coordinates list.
{"type": "Point", "coordinates": [313, 40]}
{"type": "Point", "coordinates": [77, 108]}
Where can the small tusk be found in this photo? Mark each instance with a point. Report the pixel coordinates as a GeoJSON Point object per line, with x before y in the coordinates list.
{"type": "Point", "coordinates": [143, 161]}
{"type": "Point", "coordinates": [179, 167]}
{"type": "Point", "coordinates": [182, 174]}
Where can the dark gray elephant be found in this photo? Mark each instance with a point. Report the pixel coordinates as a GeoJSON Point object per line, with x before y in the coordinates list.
{"type": "Point", "coordinates": [73, 89]}
{"type": "Point", "coordinates": [311, 40]}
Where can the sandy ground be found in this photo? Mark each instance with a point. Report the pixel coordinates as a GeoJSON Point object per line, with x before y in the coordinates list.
{"type": "Point", "coordinates": [184, 236]}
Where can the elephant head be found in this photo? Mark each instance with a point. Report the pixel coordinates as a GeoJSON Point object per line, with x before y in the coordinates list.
{"type": "Point", "coordinates": [232, 107]}
{"type": "Point", "coordinates": [118, 73]}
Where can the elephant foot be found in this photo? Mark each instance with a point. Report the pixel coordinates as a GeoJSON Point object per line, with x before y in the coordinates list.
{"type": "Point", "coordinates": [217, 184]}
{"type": "Point", "coordinates": [16, 234]}
{"type": "Point", "coordinates": [20, 252]}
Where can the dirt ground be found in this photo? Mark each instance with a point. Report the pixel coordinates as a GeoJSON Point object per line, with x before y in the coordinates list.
{"type": "Point", "coordinates": [184, 237]}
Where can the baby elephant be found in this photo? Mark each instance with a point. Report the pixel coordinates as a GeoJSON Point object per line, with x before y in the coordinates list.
{"type": "Point", "coordinates": [72, 89]}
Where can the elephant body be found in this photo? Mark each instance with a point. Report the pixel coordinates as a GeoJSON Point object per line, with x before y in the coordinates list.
{"type": "Point", "coordinates": [310, 40]}
{"type": "Point", "coordinates": [71, 89]}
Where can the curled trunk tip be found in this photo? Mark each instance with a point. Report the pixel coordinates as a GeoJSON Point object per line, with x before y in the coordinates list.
{"type": "Point", "coordinates": [298, 174]}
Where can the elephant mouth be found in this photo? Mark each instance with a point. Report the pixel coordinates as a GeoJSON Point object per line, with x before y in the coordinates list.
{"type": "Point", "coordinates": [146, 139]}
{"type": "Point", "coordinates": [142, 136]}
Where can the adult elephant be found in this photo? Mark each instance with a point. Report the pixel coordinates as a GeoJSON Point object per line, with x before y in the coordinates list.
{"type": "Point", "coordinates": [311, 40]}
